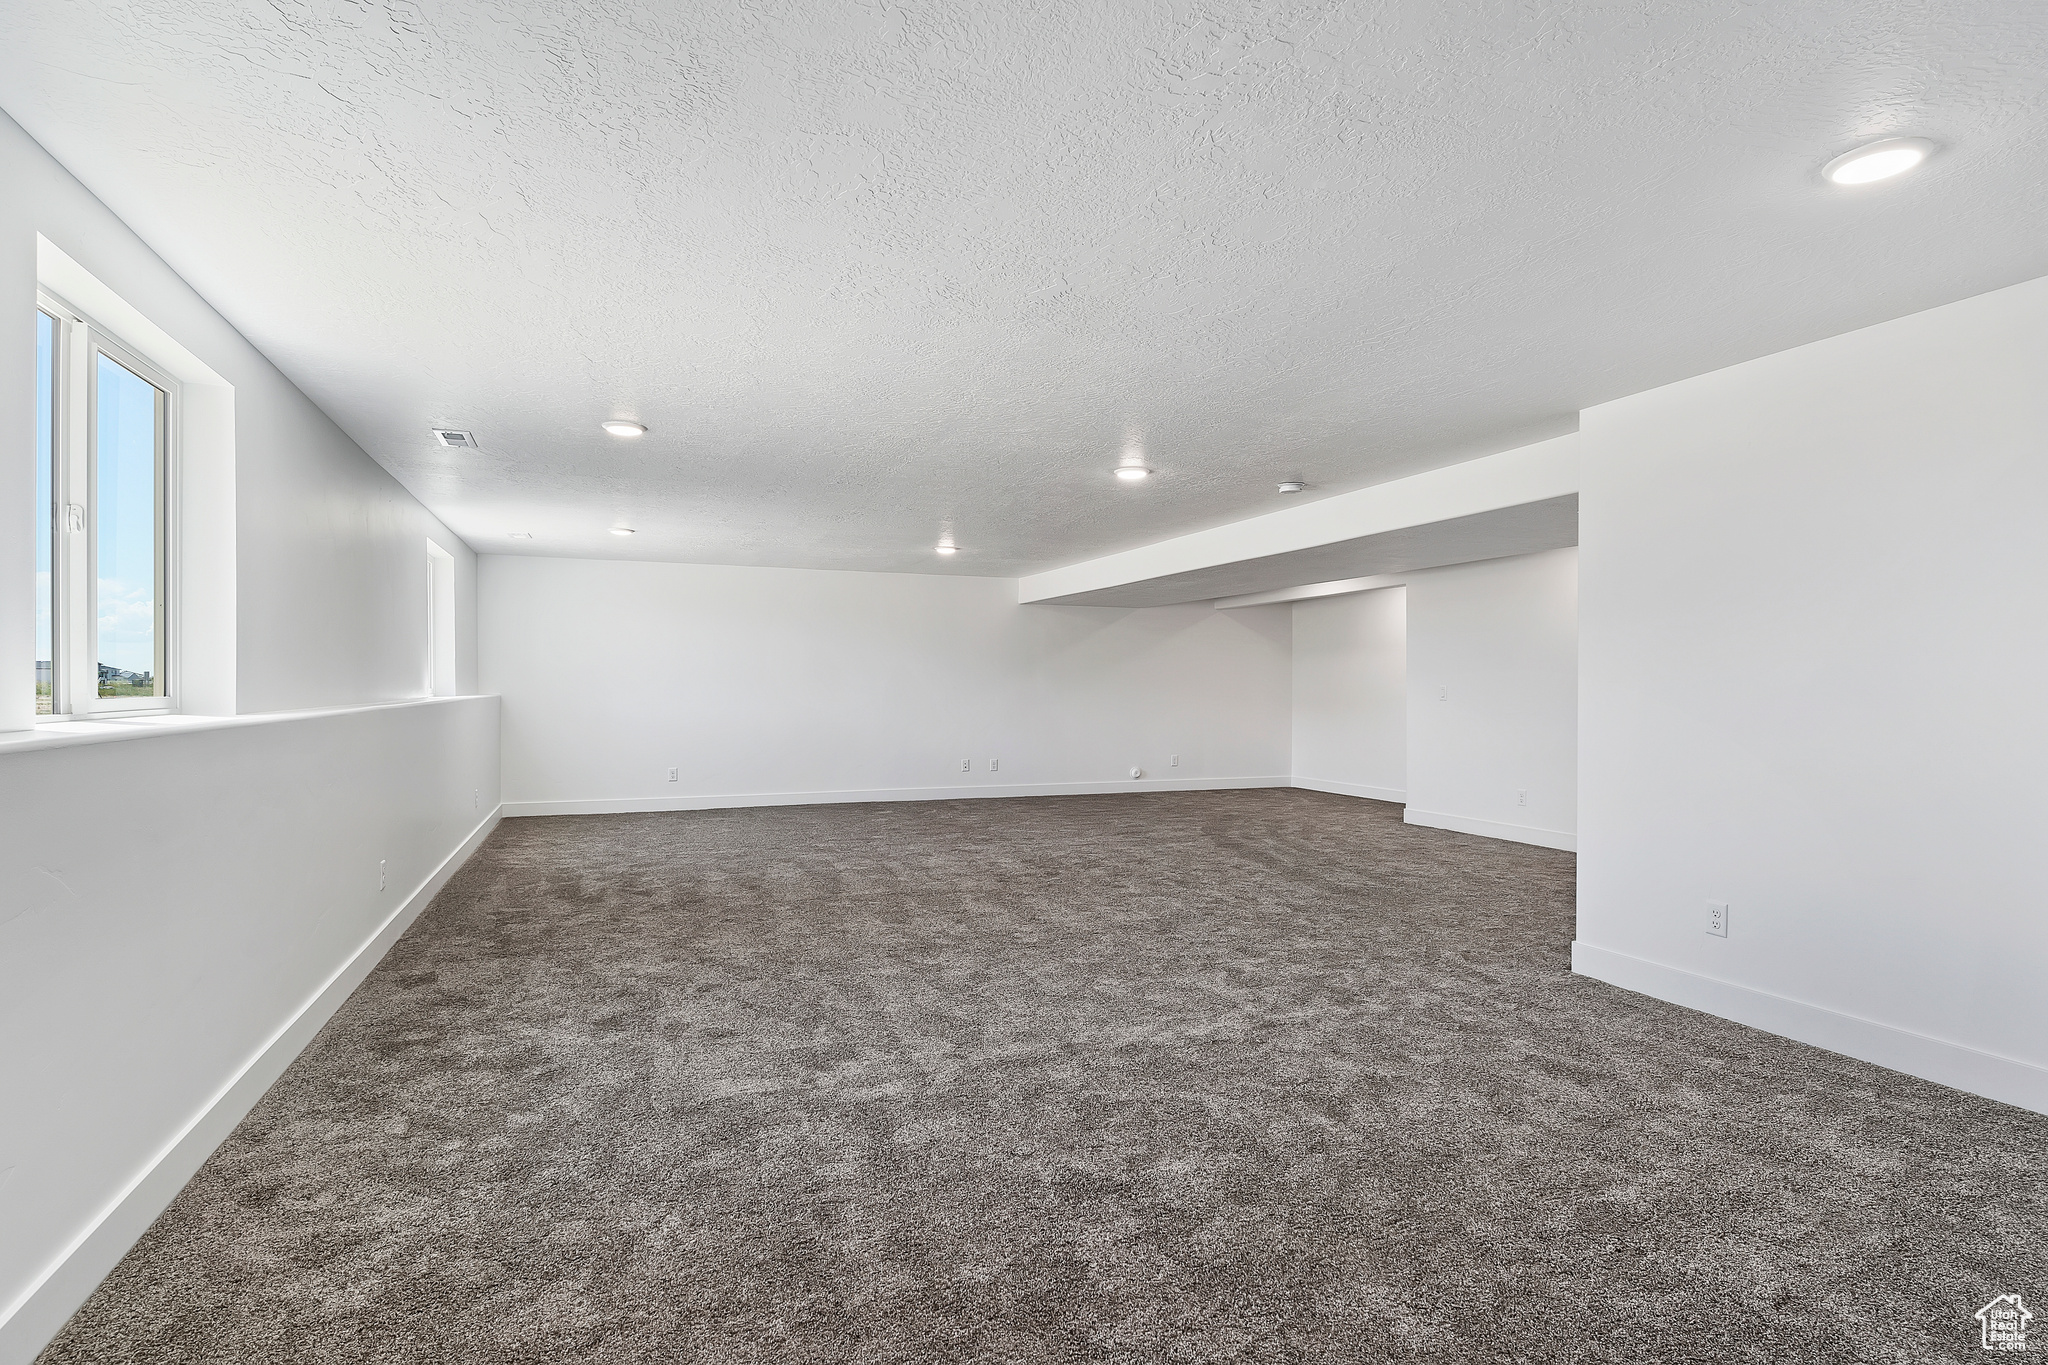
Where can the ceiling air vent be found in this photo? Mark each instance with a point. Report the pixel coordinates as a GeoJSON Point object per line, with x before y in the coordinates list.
{"type": "Point", "coordinates": [455, 438]}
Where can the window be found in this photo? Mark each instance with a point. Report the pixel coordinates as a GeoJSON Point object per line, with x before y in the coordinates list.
{"type": "Point", "coordinates": [46, 506]}
{"type": "Point", "coordinates": [103, 438]}
{"type": "Point", "coordinates": [440, 622]}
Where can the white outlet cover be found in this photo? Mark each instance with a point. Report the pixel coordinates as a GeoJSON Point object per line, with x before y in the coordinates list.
{"type": "Point", "coordinates": [1717, 918]}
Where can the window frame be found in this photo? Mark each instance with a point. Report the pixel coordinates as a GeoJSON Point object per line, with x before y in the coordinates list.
{"type": "Point", "coordinates": [80, 341]}
{"type": "Point", "coordinates": [440, 621]}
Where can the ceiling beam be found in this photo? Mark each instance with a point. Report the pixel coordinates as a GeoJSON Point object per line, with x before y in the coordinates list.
{"type": "Point", "coordinates": [1545, 472]}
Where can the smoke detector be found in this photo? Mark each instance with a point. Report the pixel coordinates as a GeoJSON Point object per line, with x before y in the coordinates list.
{"type": "Point", "coordinates": [462, 439]}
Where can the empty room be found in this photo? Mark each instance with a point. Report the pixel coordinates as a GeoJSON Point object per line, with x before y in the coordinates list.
{"type": "Point", "coordinates": [841, 681]}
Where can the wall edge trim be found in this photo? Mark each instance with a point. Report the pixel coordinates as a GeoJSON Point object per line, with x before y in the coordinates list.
{"type": "Point", "coordinates": [41, 1310]}
{"type": "Point", "coordinates": [647, 804]}
{"type": "Point", "coordinates": [1958, 1066]}
{"type": "Point", "coordinates": [1358, 789]}
{"type": "Point", "coordinates": [1494, 829]}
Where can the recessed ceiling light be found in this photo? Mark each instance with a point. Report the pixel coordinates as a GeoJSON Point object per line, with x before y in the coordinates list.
{"type": "Point", "coordinates": [622, 530]}
{"type": "Point", "coordinates": [520, 535]}
{"type": "Point", "coordinates": [1292, 486]}
{"type": "Point", "coordinates": [1878, 160]}
{"type": "Point", "coordinates": [946, 549]}
{"type": "Point", "coordinates": [1132, 473]}
{"type": "Point", "coordinates": [624, 428]}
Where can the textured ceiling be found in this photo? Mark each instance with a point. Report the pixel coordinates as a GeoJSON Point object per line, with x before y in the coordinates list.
{"type": "Point", "coordinates": [871, 272]}
{"type": "Point", "coordinates": [1522, 530]}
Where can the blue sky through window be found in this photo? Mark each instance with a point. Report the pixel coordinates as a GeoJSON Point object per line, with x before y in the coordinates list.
{"type": "Point", "coordinates": [46, 454]}
{"type": "Point", "coordinates": [126, 487]}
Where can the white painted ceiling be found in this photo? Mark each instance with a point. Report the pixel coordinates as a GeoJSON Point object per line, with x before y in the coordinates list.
{"type": "Point", "coordinates": [875, 271]}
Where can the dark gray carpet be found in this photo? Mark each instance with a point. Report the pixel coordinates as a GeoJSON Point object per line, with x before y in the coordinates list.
{"type": "Point", "coordinates": [1257, 1076]}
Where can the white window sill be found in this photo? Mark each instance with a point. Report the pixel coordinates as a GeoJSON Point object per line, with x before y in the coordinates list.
{"type": "Point", "coordinates": [65, 734]}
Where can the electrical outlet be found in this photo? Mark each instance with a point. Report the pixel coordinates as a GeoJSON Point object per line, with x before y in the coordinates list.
{"type": "Point", "coordinates": [380, 874]}
{"type": "Point", "coordinates": [675, 774]}
{"type": "Point", "coordinates": [1174, 761]}
{"type": "Point", "coordinates": [1443, 692]}
{"type": "Point", "coordinates": [1717, 918]}
{"type": "Point", "coordinates": [966, 765]}
{"type": "Point", "coordinates": [476, 798]}
{"type": "Point", "coordinates": [995, 765]}
{"type": "Point", "coordinates": [1522, 797]}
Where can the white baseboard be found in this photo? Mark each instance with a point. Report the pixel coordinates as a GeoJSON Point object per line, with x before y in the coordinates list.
{"type": "Point", "coordinates": [630, 804]}
{"type": "Point", "coordinates": [2006, 1079]}
{"type": "Point", "coordinates": [1494, 829]}
{"type": "Point", "coordinates": [42, 1310]}
{"type": "Point", "coordinates": [1358, 789]}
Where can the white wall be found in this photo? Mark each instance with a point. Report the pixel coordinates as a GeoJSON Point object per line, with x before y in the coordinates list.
{"type": "Point", "coordinates": [1351, 694]}
{"type": "Point", "coordinates": [330, 558]}
{"type": "Point", "coordinates": [17, 437]}
{"type": "Point", "coordinates": [149, 950]}
{"type": "Point", "coordinates": [1815, 623]}
{"type": "Point", "coordinates": [781, 683]}
{"type": "Point", "coordinates": [1493, 698]}
{"type": "Point", "coordinates": [153, 947]}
